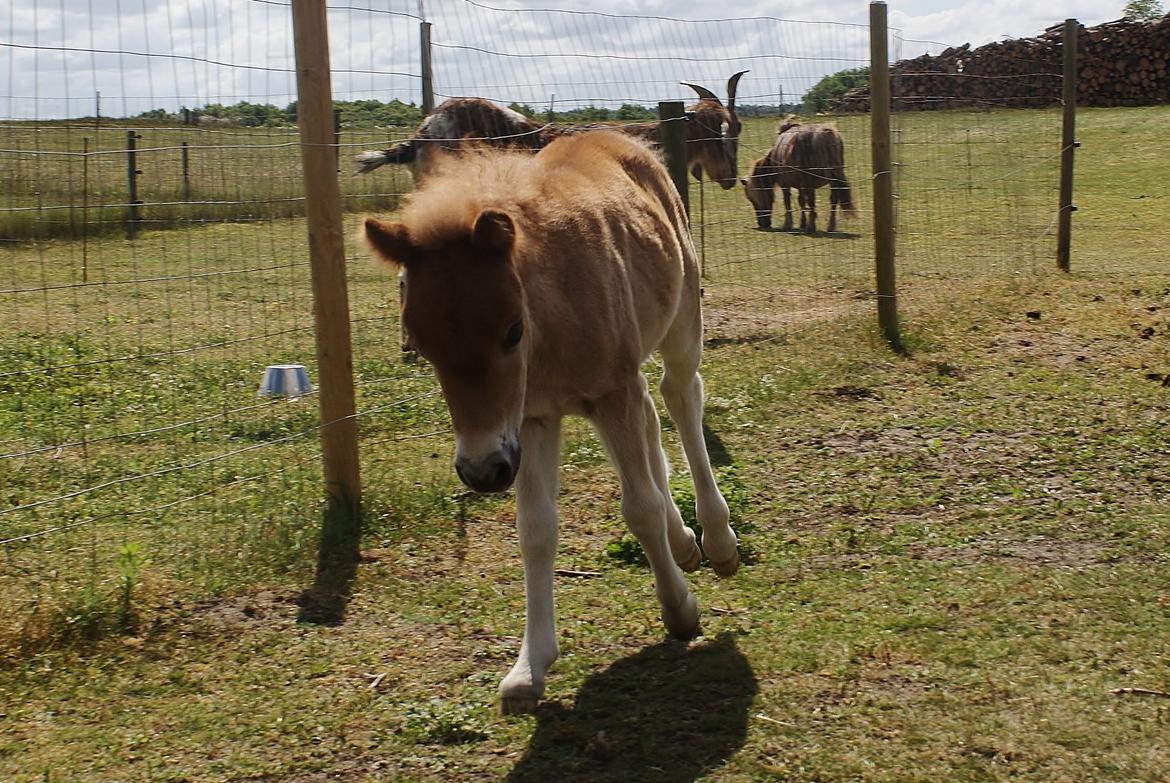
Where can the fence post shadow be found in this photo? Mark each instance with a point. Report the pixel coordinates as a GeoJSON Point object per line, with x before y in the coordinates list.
{"type": "Point", "coordinates": [338, 555]}
{"type": "Point", "coordinates": [716, 448]}
{"type": "Point", "coordinates": [671, 712]}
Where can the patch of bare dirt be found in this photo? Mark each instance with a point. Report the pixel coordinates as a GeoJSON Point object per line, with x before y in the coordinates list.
{"type": "Point", "coordinates": [1032, 552]}
{"type": "Point", "coordinates": [735, 316]}
{"type": "Point", "coordinates": [266, 607]}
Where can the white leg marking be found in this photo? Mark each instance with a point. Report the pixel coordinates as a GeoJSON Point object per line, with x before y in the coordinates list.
{"type": "Point", "coordinates": [683, 547]}
{"type": "Point", "coordinates": [682, 389]}
{"type": "Point", "coordinates": [536, 523]}
{"type": "Point", "coordinates": [621, 422]}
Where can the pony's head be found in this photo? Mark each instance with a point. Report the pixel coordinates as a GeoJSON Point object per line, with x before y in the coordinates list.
{"type": "Point", "coordinates": [759, 187]}
{"type": "Point", "coordinates": [464, 311]}
{"type": "Point", "coordinates": [714, 131]}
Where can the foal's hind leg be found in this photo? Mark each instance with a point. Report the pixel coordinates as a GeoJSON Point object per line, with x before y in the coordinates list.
{"type": "Point", "coordinates": [536, 523]}
{"type": "Point", "coordinates": [682, 539]}
{"type": "Point", "coordinates": [682, 390]}
{"type": "Point", "coordinates": [621, 421]}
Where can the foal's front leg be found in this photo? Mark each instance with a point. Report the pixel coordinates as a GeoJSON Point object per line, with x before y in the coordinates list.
{"type": "Point", "coordinates": [536, 523]}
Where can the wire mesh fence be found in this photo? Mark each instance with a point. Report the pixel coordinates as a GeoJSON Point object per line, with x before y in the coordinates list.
{"type": "Point", "coordinates": [977, 179]}
{"type": "Point", "coordinates": [155, 260]}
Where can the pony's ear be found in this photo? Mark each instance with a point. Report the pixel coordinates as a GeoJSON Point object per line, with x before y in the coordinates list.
{"type": "Point", "coordinates": [390, 241]}
{"type": "Point", "coordinates": [494, 230]}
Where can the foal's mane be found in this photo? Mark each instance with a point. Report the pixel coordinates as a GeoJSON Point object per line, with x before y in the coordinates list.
{"type": "Point", "coordinates": [463, 185]}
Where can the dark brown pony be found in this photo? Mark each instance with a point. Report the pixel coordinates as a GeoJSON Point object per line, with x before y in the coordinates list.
{"type": "Point", "coordinates": [804, 157]}
{"type": "Point", "coordinates": [539, 284]}
{"type": "Point", "coordinates": [459, 123]}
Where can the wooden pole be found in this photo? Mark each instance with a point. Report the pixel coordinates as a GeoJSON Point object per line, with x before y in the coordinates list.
{"type": "Point", "coordinates": [186, 172]}
{"type": "Point", "coordinates": [883, 175]}
{"type": "Point", "coordinates": [341, 528]}
{"type": "Point", "coordinates": [85, 210]}
{"type": "Point", "coordinates": [337, 139]}
{"type": "Point", "coordinates": [672, 133]}
{"type": "Point", "coordinates": [1068, 144]}
{"type": "Point", "coordinates": [132, 172]}
{"type": "Point", "coordinates": [428, 83]}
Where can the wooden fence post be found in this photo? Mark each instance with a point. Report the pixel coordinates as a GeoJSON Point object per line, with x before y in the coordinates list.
{"type": "Point", "coordinates": [428, 85]}
{"type": "Point", "coordinates": [672, 132]}
{"type": "Point", "coordinates": [85, 210]}
{"type": "Point", "coordinates": [341, 528]}
{"type": "Point", "coordinates": [132, 172]}
{"type": "Point", "coordinates": [337, 139]}
{"type": "Point", "coordinates": [186, 172]}
{"type": "Point", "coordinates": [1068, 144]}
{"type": "Point", "coordinates": [883, 175]}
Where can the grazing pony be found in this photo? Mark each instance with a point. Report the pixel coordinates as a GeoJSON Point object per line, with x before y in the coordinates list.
{"type": "Point", "coordinates": [538, 286]}
{"type": "Point", "coordinates": [459, 123]}
{"type": "Point", "coordinates": [804, 157]}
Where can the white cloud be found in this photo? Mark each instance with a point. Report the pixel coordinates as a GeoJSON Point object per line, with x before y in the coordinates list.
{"type": "Point", "coordinates": [228, 50]}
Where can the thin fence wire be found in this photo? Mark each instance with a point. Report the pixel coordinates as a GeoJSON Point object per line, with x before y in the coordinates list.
{"type": "Point", "coordinates": [140, 303]}
{"type": "Point", "coordinates": [977, 180]}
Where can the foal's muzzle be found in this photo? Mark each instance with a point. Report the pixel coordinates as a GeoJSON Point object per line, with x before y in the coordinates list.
{"type": "Point", "coordinates": [494, 472]}
{"type": "Point", "coordinates": [764, 222]}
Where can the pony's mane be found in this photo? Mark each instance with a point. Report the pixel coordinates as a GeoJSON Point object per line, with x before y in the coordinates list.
{"type": "Point", "coordinates": [463, 185]}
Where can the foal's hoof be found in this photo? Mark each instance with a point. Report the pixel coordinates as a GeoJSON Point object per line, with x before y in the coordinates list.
{"type": "Point", "coordinates": [692, 562]}
{"type": "Point", "coordinates": [683, 622]}
{"type": "Point", "coordinates": [726, 568]}
{"type": "Point", "coordinates": [518, 704]}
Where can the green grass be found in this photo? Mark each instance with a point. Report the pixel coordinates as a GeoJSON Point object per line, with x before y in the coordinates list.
{"type": "Point", "coordinates": [54, 189]}
{"type": "Point", "coordinates": [955, 555]}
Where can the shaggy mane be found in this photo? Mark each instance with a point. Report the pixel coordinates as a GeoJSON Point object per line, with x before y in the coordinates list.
{"type": "Point", "coordinates": [465, 184]}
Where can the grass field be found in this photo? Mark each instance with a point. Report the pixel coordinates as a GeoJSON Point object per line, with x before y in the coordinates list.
{"type": "Point", "coordinates": [955, 556]}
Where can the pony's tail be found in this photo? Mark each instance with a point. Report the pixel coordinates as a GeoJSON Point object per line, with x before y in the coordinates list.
{"type": "Point", "coordinates": [365, 162]}
{"type": "Point", "coordinates": [842, 195]}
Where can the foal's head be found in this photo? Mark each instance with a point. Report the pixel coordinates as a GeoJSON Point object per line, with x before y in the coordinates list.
{"type": "Point", "coordinates": [464, 311]}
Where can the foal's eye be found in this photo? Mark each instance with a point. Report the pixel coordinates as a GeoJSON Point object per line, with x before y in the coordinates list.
{"type": "Point", "coordinates": [512, 338]}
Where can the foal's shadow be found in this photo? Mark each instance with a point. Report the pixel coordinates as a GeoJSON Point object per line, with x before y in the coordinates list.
{"type": "Point", "coordinates": [670, 713]}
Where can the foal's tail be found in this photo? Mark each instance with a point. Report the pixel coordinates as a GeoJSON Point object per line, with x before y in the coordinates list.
{"type": "Point", "coordinates": [365, 162]}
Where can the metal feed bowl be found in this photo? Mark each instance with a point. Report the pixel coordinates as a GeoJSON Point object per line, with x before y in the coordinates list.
{"type": "Point", "coordinates": [285, 380]}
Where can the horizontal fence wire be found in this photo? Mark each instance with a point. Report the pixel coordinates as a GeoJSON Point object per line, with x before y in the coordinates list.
{"type": "Point", "coordinates": [153, 256]}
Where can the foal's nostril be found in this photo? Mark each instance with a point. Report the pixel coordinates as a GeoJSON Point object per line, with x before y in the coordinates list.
{"type": "Point", "coordinates": [501, 474]}
{"type": "Point", "coordinates": [492, 474]}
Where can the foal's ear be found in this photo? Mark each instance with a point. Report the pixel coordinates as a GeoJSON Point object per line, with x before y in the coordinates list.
{"type": "Point", "coordinates": [390, 241]}
{"type": "Point", "coordinates": [494, 230]}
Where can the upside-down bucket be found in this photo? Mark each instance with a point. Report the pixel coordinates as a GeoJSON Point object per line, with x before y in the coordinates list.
{"type": "Point", "coordinates": [285, 380]}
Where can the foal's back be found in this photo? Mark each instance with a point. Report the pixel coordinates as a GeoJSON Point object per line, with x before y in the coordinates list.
{"type": "Point", "coordinates": [606, 261]}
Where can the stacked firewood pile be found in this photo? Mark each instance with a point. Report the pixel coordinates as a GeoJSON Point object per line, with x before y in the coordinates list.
{"type": "Point", "coordinates": [1121, 63]}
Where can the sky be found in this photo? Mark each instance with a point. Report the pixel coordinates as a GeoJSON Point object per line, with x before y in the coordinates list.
{"type": "Point", "coordinates": [57, 56]}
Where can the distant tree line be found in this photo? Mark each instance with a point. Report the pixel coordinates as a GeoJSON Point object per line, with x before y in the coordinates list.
{"type": "Point", "coordinates": [374, 113]}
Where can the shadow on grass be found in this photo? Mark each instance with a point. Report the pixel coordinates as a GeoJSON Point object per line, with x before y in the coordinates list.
{"type": "Point", "coordinates": [338, 555]}
{"type": "Point", "coordinates": [716, 448]}
{"type": "Point", "coordinates": [672, 712]}
{"type": "Point", "coordinates": [799, 232]}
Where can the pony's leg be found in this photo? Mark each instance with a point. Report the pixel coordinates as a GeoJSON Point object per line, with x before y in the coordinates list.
{"type": "Point", "coordinates": [536, 523]}
{"type": "Point", "coordinates": [787, 208]}
{"type": "Point", "coordinates": [682, 539]}
{"type": "Point", "coordinates": [682, 390]}
{"type": "Point", "coordinates": [812, 210]}
{"type": "Point", "coordinates": [834, 197]}
{"type": "Point", "coordinates": [803, 209]}
{"type": "Point", "coordinates": [621, 421]}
